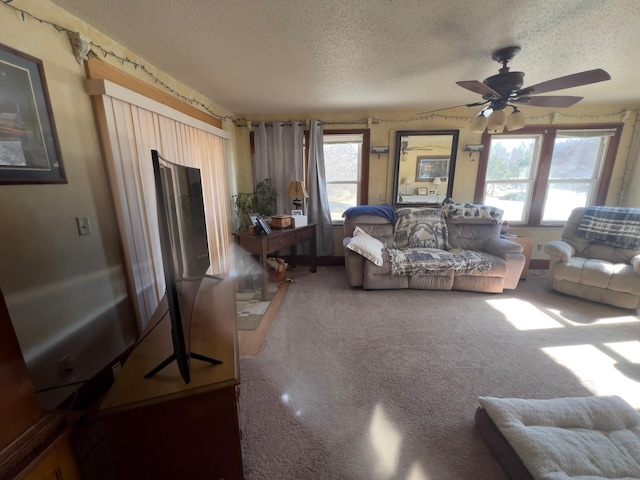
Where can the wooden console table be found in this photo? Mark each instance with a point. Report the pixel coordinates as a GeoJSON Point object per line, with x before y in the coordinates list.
{"type": "Point", "coordinates": [160, 427]}
{"type": "Point", "coordinates": [262, 245]}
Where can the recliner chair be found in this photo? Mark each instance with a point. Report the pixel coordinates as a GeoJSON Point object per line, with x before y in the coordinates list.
{"type": "Point", "coordinates": [594, 269]}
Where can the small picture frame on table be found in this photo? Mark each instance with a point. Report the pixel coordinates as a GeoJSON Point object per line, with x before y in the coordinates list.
{"type": "Point", "coordinates": [263, 225]}
{"type": "Point", "coordinates": [432, 192]}
{"type": "Point", "coordinates": [296, 212]}
{"type": "Point", "coordinates": [422, 191]}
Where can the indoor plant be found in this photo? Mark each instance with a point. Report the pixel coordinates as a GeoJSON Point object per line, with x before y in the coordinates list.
{"type": "Point", "coordinates": [261, 200]}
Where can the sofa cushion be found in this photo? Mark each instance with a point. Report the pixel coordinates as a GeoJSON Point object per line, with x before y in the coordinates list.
{"type": "Point", "coordinates": [421, 227]}
{"type": "Point", "coordinates": [366, 245]}
{"type": "Point", "coordinates": [599, 273]}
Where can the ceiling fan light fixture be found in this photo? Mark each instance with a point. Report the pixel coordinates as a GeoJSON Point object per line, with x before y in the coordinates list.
{"type": "Point", "coordinates": [515, 120]}
{"type": "Point", "coordinates": [496, 121]}
{"type": "Point", "coordinates": [479, 123]}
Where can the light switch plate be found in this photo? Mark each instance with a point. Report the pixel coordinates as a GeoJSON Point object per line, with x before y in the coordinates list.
{"type": "Point", "coordinates": [84, 228]}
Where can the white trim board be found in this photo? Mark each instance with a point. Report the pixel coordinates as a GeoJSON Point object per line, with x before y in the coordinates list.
{"type": "Point", "coordinates": [99, 87]}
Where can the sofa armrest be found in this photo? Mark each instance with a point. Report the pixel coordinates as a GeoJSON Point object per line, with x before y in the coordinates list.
{"type": "Point", "coordinates": [635, 263]}
{"type": "Point", "coordinates": [500, 246]}
{"type": "Point", "coordinates": [558, 248]}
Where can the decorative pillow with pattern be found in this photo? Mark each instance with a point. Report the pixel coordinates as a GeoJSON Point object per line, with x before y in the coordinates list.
{"type": "Point", "coordinates": [421, 227]}
{"type": "Point", "coordinates": [472, 211]}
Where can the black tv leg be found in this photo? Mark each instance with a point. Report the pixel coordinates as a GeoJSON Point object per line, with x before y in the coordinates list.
{"type": "Point", "coordinates": [172, 357]}
{"type": "Point", "coordinates": [210, 360]}
{"type": "Point", "coordinates": [162, 364]}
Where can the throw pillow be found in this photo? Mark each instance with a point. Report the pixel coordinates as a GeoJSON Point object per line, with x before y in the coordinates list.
{"type": "Point", "coordinates": [367, 246]}
{"type": "Point", "coordinates": [421, 227]}
{"type": "Point", "coordinates": [470, 210]}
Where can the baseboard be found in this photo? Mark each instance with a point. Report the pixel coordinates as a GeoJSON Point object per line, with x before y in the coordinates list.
{"type": "Point", "coordinates": [330, 260]}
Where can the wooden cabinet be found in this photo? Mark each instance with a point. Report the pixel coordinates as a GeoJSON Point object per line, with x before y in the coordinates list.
{"type": "Point", "coordinates": [34, 444]}
{"type": "Point", "coordinates": [162, 428]}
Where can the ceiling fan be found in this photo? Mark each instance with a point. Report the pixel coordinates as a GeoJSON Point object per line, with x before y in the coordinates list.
{"type": "Point", "coordinates": [505, 90]}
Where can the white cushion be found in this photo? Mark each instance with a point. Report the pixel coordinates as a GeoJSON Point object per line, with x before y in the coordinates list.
{"type": "Point", "coordinates": [367, 246]}
{"type": "Point", "coordinates": [571, 438]}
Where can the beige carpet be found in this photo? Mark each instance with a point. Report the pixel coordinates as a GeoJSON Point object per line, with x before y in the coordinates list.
{"type": "Point", "coordinates": [382, 385]}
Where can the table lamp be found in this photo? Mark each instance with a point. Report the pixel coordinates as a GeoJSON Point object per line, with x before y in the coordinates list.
{"type": "Point", "coordinates": [436, 181]}
{"type": "Point", "coordinates": [297, 190]}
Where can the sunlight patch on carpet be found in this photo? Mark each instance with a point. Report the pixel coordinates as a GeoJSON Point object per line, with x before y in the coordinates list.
{"type": "Point", "coordinates": [597, 371]}
{"type": "Point", "coordinates": [600, 321]}
{"type": "Point", "coordinates": [386, 442]}
{"type": "Point", "coordinates": [523, 315]}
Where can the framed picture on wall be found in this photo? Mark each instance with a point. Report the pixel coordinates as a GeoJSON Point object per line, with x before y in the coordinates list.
{"type": "Point", "coordinates": [428, 168]}
{"type": "Point", "coordinates": [29, 149]}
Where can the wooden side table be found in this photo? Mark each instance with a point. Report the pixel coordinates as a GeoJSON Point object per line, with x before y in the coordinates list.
{"type": "Point", "coordinates": [527, 248]}
{"type": "Point", "coordinates": [262, 245]}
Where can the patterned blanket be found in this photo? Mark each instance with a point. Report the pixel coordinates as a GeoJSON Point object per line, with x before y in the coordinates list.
{"type": "Point", "coordinates": [613, 226]}
{"type": "Point", "coordinates": [410, 261]}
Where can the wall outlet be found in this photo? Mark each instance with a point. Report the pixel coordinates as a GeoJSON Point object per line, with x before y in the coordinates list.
{"type": "Point", "coordinates": [84, 228]}
{"type": "Point", "coordinates": [540, 246]}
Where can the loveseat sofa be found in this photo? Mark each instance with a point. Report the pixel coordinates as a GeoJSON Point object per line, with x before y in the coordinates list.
{"type": "Point", "coordinates": [598, 257]}
{"type": "Point", "coordinates": [453, 247]}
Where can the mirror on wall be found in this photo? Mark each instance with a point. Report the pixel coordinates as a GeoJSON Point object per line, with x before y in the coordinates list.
{"type": "Point", "coordinates": [425, 164]}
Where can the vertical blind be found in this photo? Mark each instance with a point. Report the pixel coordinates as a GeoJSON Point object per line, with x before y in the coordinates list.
{"type": "Point", "coordinates": [133, 131]}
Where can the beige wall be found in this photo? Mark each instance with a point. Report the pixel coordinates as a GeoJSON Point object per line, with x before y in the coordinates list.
{"type": "Point", "coordinates": [67, 294]}
{"type": "Point", "coordinates": [385, 124]}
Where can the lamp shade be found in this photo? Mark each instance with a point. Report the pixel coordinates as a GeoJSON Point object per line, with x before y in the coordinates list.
{"type": "Point", "coordinates": [515, 121]}
{"type": "Point", "coordinates": [296, 190]}
{"type": "Point", "coordinates": [496, 121]}
{"type": "Point", "coordinates": [478, 123]}
{"type": "Point", "coordinates": [437, 181]}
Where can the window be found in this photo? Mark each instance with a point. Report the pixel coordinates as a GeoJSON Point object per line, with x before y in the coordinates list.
{"type": "Point", "coordinates": [538, 175]}
{"type": "Point", "coordinates": [346, 162]}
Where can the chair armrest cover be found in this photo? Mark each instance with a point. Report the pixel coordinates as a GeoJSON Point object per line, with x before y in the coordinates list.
{"type": "Point", "coordinates": [560, 249]}
{"type": "Point", "coordinates": [635, 263]}
{"type": "Point", "coordinates": [501, 246]}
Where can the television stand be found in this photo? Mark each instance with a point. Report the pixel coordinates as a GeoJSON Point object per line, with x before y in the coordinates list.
{"type": "Point", "coordinates": [172, 358]}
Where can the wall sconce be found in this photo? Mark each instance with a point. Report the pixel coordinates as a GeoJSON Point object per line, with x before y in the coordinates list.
{"type": "Point", "coordinates": [379, 150]}
{"type": "Point", "coordinates": [473, 148]}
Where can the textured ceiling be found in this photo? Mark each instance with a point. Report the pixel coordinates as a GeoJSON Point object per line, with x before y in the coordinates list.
{"type": "Point", "coordinates": [266, 56]}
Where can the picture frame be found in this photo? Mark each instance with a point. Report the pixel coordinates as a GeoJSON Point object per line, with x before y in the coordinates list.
{"type": "Point", "coordinates": [422, 191]}
{"type": "Point", "coordinates": [296, 213]}
{"type": "Point", "coordinates": [263, 225]}
{"type": "Point", "coordinates": [253, 217]}
{"type": "Point", "coordinates": [428, 168]}
{"type": "Point", "coordinates": [29, 147]}
{"type": "Point", "coordinates": [432, 192]}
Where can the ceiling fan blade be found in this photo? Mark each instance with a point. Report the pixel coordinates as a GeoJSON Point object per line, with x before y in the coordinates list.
{"type": "Point", "coordinates": [449, 108]}
{"type": "Point", "coordinates": [478, 87]}
{"type": "Point", "coordinates": [560, 83]}
{"type": "Point", "coordinates": [547, 101]}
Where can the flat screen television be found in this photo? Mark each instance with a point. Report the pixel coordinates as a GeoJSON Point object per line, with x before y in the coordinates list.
{"type": "Point", "coordinates": [185, 253]}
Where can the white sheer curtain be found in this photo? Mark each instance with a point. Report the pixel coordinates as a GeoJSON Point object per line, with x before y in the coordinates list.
{"type": "Point", "coordinates": [279, 156]}
{"type": "Point", "coordinates": [318, 206]}
{"type": "Point", "coordinates": [132, 133]}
